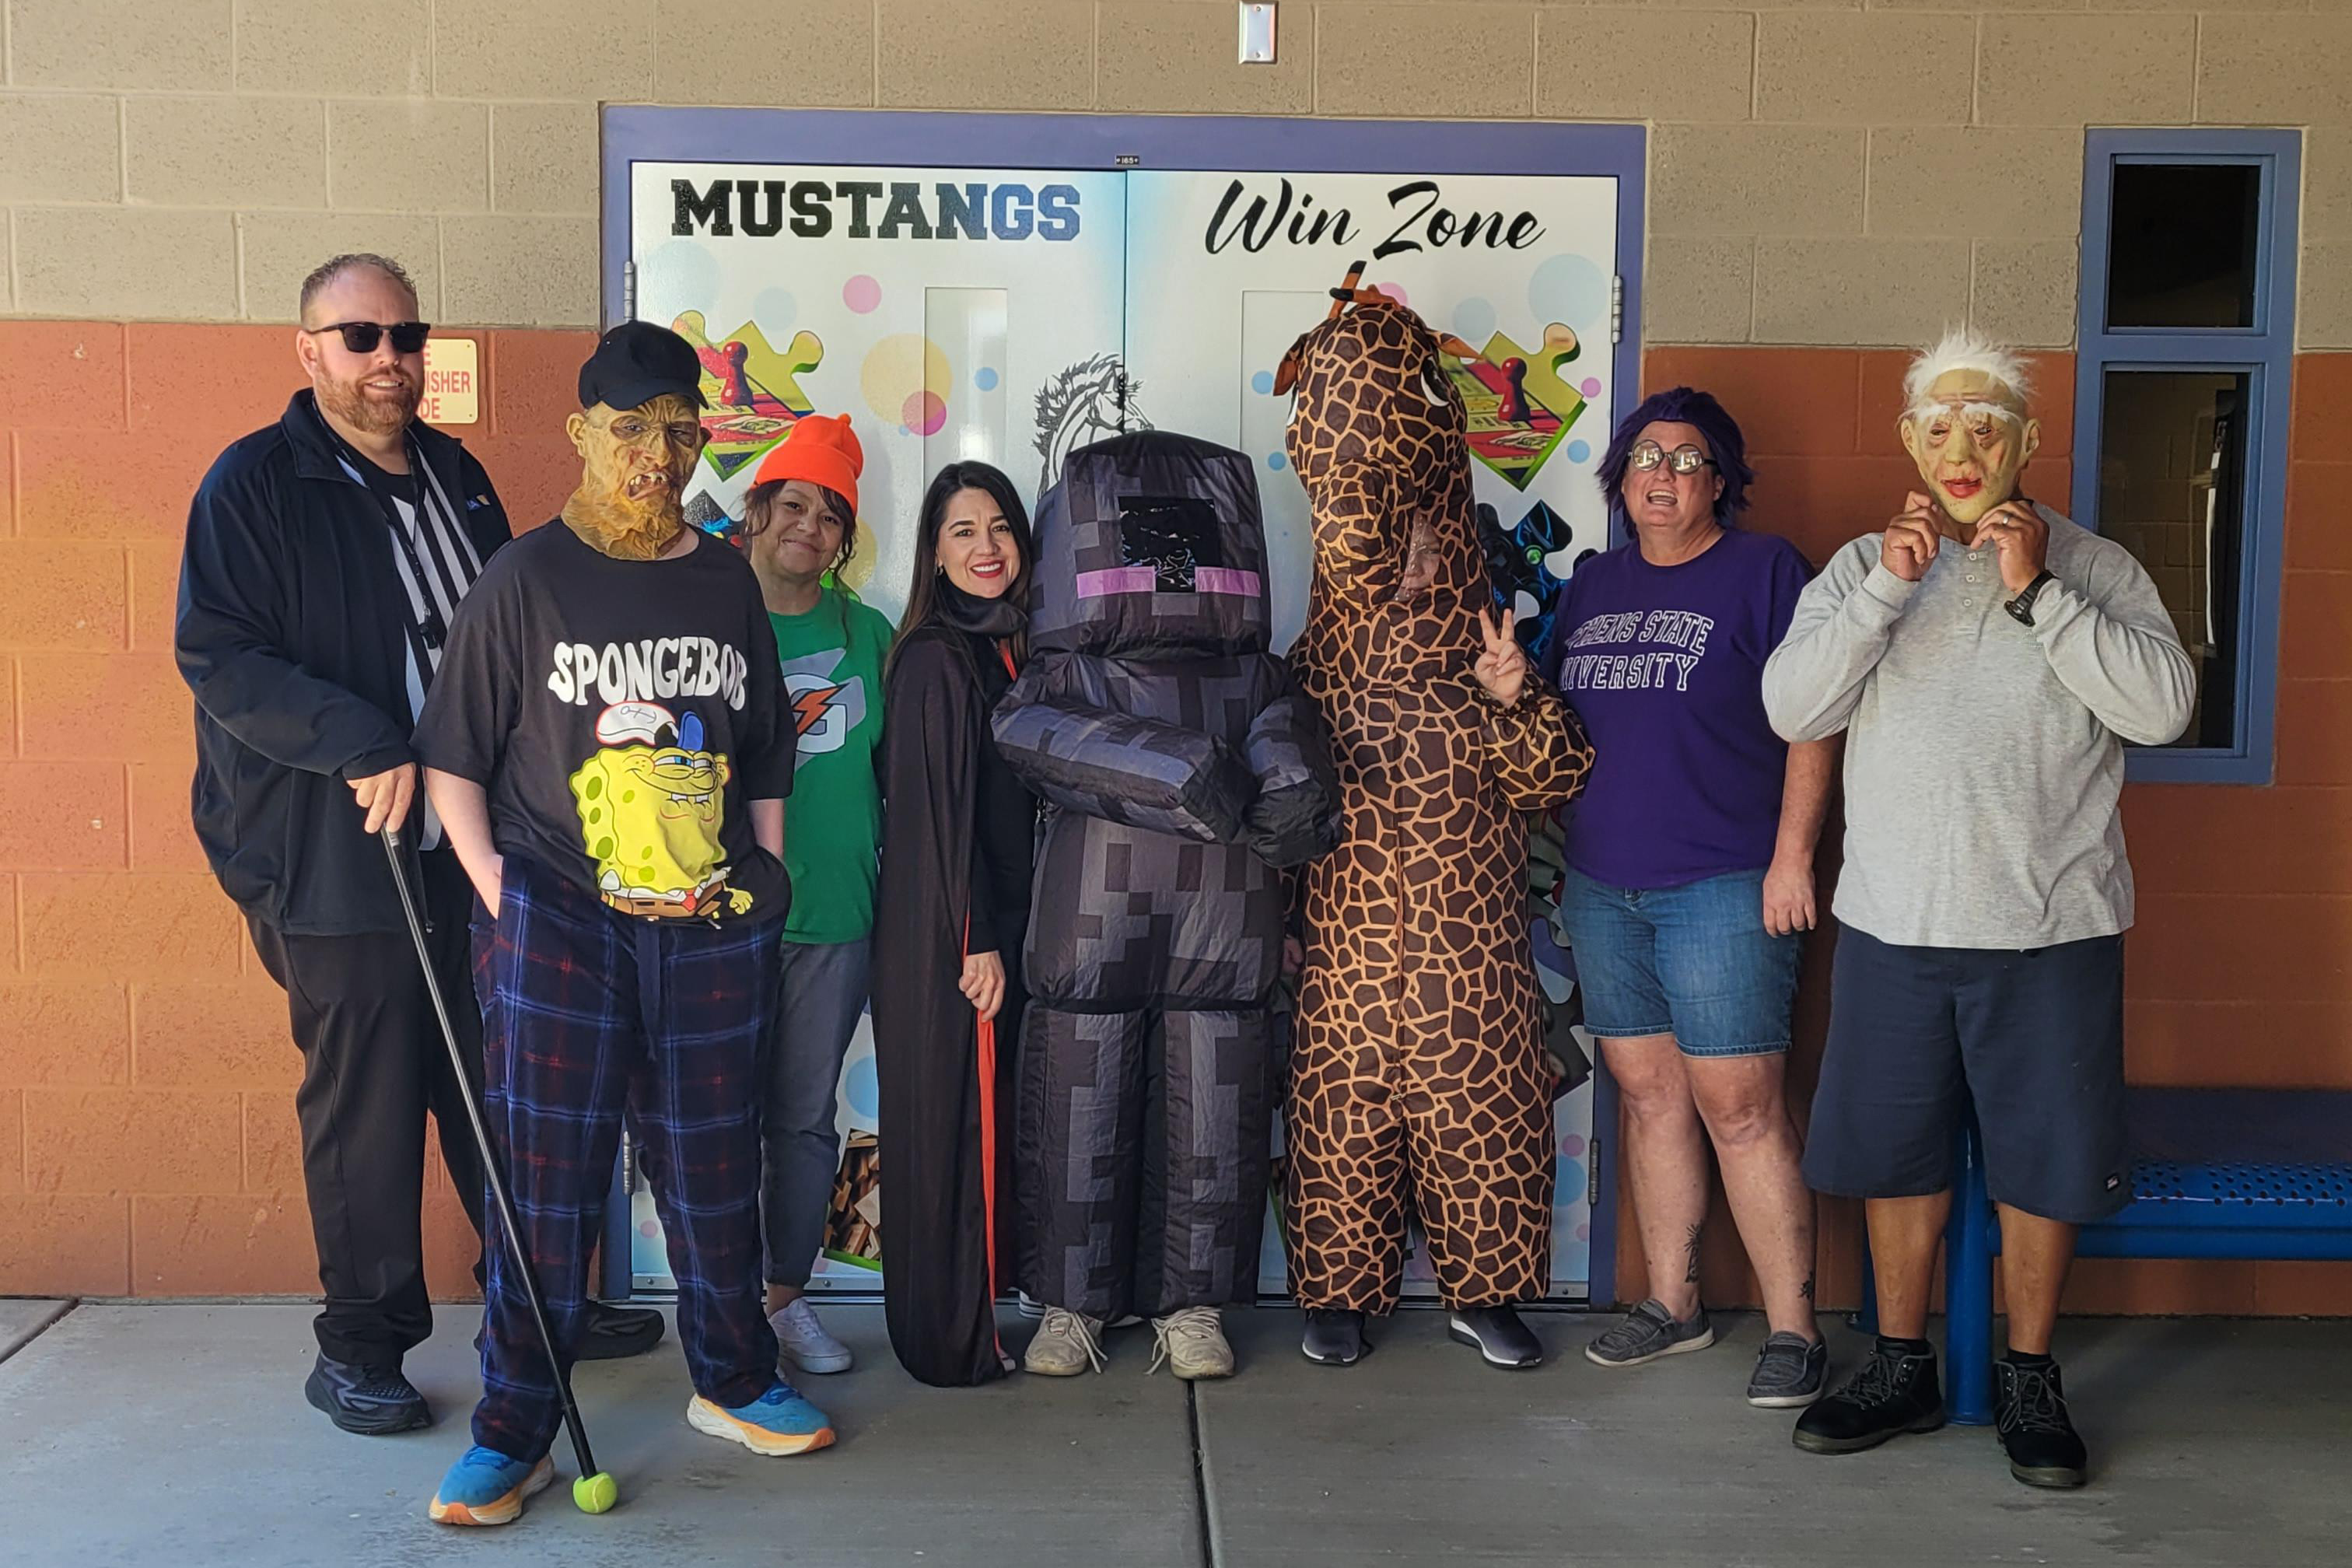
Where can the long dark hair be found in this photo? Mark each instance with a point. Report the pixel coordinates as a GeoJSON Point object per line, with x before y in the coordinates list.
{"type": "Point", "coordinates": [923, 592]}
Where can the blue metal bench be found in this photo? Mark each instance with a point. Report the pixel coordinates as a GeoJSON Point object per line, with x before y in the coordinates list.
{"type": "Point", "coordinates": [2233, 1173]}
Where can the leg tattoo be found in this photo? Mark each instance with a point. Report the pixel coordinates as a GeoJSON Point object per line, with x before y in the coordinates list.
{"type": "Point", "coordinates": [1690, 1254]}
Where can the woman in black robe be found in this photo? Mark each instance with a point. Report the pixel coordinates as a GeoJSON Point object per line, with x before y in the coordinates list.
{"type": "Point", "coordinates": [958, 833]}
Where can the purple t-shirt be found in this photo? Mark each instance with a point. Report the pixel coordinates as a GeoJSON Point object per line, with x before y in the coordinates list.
{"type": "Point", "coordinates": [1666, 665]}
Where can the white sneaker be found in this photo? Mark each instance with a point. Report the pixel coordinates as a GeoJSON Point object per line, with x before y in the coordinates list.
{"type": "Point", "coordinates": [801, 1340]}
{"type": "Point", "coordinates": [1030, 1307]}
{"type": "Point", "coordinates": [1067, 1344]}
{"type": "Point", "coordinates": [1192, 1342]}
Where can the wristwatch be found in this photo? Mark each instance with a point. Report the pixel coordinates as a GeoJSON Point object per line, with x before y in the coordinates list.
{"type": "Point", "coordinates": [2021, 607]}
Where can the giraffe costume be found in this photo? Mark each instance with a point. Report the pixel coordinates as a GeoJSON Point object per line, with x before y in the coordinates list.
{"type": "Point", "coordinates": [1418, 1072]}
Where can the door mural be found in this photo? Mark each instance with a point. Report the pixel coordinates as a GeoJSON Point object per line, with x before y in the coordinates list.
{"type": "Point", "coordinates": [1013, 315]}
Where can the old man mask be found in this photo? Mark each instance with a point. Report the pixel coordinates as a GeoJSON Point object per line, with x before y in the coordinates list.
{"type": "Point", "coordinates": [1964, 425]}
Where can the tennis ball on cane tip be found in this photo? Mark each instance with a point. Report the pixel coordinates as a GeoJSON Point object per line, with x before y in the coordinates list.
{"type": "Point", "coordinates": [596, 1493]}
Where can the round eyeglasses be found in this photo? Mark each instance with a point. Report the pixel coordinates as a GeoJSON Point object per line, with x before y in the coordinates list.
{"type": "Point", "coordinates": [1647, 455]}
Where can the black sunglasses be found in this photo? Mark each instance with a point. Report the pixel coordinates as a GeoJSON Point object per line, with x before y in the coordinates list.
{"type": "Point", "coordinates": [361, 337]}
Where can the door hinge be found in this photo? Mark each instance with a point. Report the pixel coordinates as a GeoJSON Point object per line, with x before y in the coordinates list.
{"type": "Point", "coordinates": [1616, 308]}
{"type": "Point", "coordinates": [628, 291]}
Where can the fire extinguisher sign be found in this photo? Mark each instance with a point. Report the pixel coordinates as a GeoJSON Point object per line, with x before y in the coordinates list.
{"type": "Point", "coordinates": [452, 382]}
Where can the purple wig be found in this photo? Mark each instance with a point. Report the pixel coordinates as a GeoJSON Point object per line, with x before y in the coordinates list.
{"type": "Point", "coordinates": [1699, 410]}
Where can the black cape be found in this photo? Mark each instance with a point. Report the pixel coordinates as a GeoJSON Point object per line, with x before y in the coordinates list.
{"type": "Point", "coordinates": [938, 1115]}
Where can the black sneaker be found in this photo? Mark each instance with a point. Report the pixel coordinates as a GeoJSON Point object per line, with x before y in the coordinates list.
{"type": "Point", "coordinates": [2030, 1412]}
{"type": "Point", "coordinates": [609, 1332]}
{"type": "Point", "coordinates": [612, 1334]}
{"type": "Point", "coordinates": [1501, 1336]}
{"type": "Point", "coordinates": [374, 1402]}
{"type": "Point", "coordinates": [1896, 1392]}
{"type": "Point", "coordinates": [1335, 1337]}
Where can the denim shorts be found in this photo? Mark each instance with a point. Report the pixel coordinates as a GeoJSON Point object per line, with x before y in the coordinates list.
{"type": "Point", "coordinates": [1692, 961]}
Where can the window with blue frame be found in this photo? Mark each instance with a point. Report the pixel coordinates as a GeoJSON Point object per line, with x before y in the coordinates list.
{"type": "Point", "coordinates": [2181, 408]}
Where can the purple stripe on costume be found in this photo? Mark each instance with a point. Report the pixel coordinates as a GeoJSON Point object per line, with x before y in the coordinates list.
{"type": "Point", "coordinates": [1145, 580]}
{"type": "Point", "coordinates": [1115, 580]}
{"type": "Point", "coordinates": [1224, 580]}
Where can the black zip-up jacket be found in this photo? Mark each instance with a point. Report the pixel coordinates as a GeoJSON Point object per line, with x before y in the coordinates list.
{"type": "Point", "coordinates": [293, 633]}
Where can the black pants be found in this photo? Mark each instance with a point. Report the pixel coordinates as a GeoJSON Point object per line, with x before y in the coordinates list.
{"type": "Point", "coordinates": [372, 1064]}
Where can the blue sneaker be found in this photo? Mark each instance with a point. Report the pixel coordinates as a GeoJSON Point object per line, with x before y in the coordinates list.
{"type": "Point", "coordinates": [779, 1422]}
{"type": "Point", "coordinates": [485, 1486]}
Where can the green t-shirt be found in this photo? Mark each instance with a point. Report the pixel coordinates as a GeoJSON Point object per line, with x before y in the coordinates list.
{"type": "Point", "coordinates": [832, 825]}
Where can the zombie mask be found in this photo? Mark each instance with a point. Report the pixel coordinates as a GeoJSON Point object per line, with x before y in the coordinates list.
{"type": "Point", "coordinates": [1965, 424]}
{"type": "Point", "coordinates": [634, 463]}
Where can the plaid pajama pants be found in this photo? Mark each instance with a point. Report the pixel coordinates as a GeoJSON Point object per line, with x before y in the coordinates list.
{"type": "Point", "coordinates": [583, 1010]}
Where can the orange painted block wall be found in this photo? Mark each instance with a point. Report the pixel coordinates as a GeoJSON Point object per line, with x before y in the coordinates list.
{"type": "Point", "coordinates": [148, 1143]}
{"type": "Point", "coordinates": [147, 1136]}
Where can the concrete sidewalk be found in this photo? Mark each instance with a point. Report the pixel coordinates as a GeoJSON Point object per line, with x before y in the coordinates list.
{"type": "Point", "coordinates": [178, 1435]}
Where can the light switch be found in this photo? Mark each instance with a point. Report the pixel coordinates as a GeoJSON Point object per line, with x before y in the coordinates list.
{"type": "Point", "coordinates": [1257, 34]}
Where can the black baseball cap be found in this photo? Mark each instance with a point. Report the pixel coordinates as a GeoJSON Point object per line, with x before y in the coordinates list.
{"type": "Point", "coordinates": [637, 362]}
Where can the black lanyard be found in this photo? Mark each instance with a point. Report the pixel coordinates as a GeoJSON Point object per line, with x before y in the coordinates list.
{"type": "Point", "coordinates": [430, 627]}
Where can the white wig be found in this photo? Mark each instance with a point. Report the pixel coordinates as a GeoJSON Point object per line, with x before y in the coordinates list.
{"type": "Point", "coordinates": [1963, 348]}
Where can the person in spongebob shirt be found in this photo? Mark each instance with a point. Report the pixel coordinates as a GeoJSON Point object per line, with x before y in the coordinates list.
{"type": "Point", "coordinates": [610, 753]}
{"type": "Point", "coordinates": [1986, 660]}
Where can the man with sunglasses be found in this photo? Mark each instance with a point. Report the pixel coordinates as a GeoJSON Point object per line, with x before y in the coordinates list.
{"type": "Point", "coordinates": [325, 555]}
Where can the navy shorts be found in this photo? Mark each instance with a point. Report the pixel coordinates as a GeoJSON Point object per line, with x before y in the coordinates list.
{"type": "Point", "coordinates": [2035, 1039]}
{"type": "Point", "coordinates": [1692, 961]}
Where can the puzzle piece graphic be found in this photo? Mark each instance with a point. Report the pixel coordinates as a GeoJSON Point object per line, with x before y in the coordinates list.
{"type": "Point", "coordinates": [1518, 567]}
{"type": "Point", "coordinates": [707, 514]}
{"type": "Point", "coordinates": [1519, 406]}
{"type": "Point", "coordinates": [1559, 344]}
{"type": "Point", "coordinates": [1544, 383]}
{"type": "Point", "coordinates": [753, 391]}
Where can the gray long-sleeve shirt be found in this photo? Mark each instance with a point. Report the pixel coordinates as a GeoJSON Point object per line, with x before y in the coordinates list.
{"type": "Point", "coordinates": [1984, 759]}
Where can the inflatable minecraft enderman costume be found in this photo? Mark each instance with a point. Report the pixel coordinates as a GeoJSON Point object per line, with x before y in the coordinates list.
{"type": "Point", "coordinates": [1179, 772]}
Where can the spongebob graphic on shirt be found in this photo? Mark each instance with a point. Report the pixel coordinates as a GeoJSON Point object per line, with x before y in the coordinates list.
{"type": "Point", "coordinates": [651, 802]}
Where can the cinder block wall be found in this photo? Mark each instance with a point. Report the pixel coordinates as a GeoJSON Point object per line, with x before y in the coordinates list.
{"type": "Point", "coordinates": [1849, 171]}
{"type": "Point", "coordinates": [1829, 179]}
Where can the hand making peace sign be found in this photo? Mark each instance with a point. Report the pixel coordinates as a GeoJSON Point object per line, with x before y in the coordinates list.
{"type": "Point", "coordinates": [1502, 669]}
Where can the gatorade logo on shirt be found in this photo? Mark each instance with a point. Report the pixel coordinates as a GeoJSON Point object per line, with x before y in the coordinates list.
{"type": "Point", "coordinates": [824, 710]}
